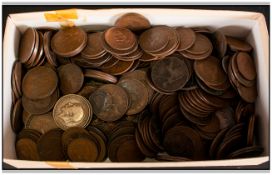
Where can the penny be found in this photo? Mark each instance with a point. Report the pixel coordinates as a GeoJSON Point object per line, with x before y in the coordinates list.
{"type": "Point", "coordinates": [187, 38]}
{"type": "Point", "coordinates": [238, 45]}
{"type": "Point", "coordinates": [26, 116]}
{"type": "Point", "coordinates": [15, 116]}
{"type": "Point", "coordinates": [170, 74]}
{"type": "Point", "coordinates": [107, 105]}
{"type": "Point", "coordinates": [27, 43]}
{"type": "Point", "coordinates": [135, 87]}
{"type": "Point", "coordinates": [226, 117]}
{"type": "Point", "coordinates": [133, 21]}
{"type": "Point", "coordinates": [26, 149]}
{"type": "Point", "coordinates": [220, 43]}
{"type": "Point", "coordinates": [69, 42]}
{"type": "Point", "coordinates": [246, 65]}
{"type": "Point", "coordinates": [113, 61]}
{"type": "Point", "coordinates": [87, 90]}
{"type": "Point", "coordinates": [42, 123]}
{"type": "Point", "coordinates": [100, 76]}
{"type": "Point", "coordinates": [119, 68]}
{"type": "Point", "coordinates": [216, 142]}
{"type": "Point", "coordinates": [167, 157]}
{"type": "Point", "coordinates": [201, 45]}
{"type": "Point", "coordinates": [39, 83]}
{"type": "Point", "coordinates": [49, 54]}
{"type": "Point", "coordinates": [70, 82]}
{"type": "Point", "coordinates": [250, 134]}
{"type": "Point", "coordinates": [249, 94]}
{"type": "Point", "coordinates": [72, 111]}
{"type": "Point", "coordinates": [94, 46]}
{"type": "Point", "coordinates": [251, 151]}
{"type": "Point", "coordinates": [34, 54]}
{"type": "Point", "coordinates": [154, 39]}
{"type": "Point", "coordinates": [49, 146]}
{"type": "Point", "coordinates": [120, 38]}
{"type": "Point", "coordinates": [225, 63]}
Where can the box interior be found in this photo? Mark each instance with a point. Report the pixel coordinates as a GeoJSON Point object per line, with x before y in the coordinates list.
{"type": "Point", "coordinates": [239, 24]}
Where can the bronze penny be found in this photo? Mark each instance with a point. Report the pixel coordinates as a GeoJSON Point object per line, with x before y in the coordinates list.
{"type": "Point", "coordinates": [133, 22]}
{"type": "Point", "coordinates": [147, 57]}
{"type": "Point", "coordinates": [72, 111]}
{"type": "Point", "coordinates": [49, 146]}
{"type": "Point", "coordinates": [132, 56]}
{"type": "Point", "coordinates": [82, 150]}
{"type": "Point", "coordinates": [135, 87]}
{"type": "Point", "coordinates": [112, 61]}
{"type": "Point", "coordinates": [120, 38]}
{"type": "Point", "coordinates": [71, 78]}
{"type": "Point", "coordinates": [249, 94]}
{"type": "Point", "coordinates": [201, 45]}
{"type": "Point", "coordinates": [101, 138]}
{"type": "Point", "coordinates": [154, 39]}
{"type": "Point", "coordinates": [17, 77]}
{"type": "Point", "coordinates": [226, 117]}
{"type": "Point", "coordinates": [191, 56]}
{"type": "Point", "coordinates": [49, 54]}
{"type": "Point", "coordinates": [238, 45]}
{"type": "Point", "coordinates": [27, 43]}
{"type": "Point", "coordinates": [100, 76]}
{"type": "Point", "coordinates": [34, 54]}
{"type": "Point", "coordinates": [220, 43]}
{"type": "Point", "coordinates": [94, 46]}
{"type": "Point", "coordinates": [144, 149]}
{"type": "Point", "coordinates": [119, 68]}
{"type": "Point", "coordinates": [210, 90]}
{"type": "Point", "coordinates": [16, 116]}
{"type": "Point", "coordinates": [212, 127]}
{"type": "Point", "coordinates": [170, 74]}
{"type": "Point", "coordinates": [40, 106]}
{"type": "Point", "coordinates": [187, 38]}
{"type": "Point", "coordinates": [225, 63]}
{"type": "Point", "coordinates": [107, 105]}
{"type": "Point", "coordinates": [250, 151]}
{"type": "Point", "coordinates": [251, 129]}
{"type": "Point", "coordinates": [39, 83]}
{"type": "Point", "coordinates": [26, 149]}
{"type": "Point", "coordinates": [246, 65]}
{"type": "Point", "coordinates": [216, 142]}
{"type": "Point", "coordinates": [42, 123]}
{"type": "Point", "coordinates": [87, 90]}
{"type": "Point", "coordinates": [69, 42]}
{"type": "Point", "coordinates": [40, 54]}
{"type": "Point", "coordinates": [26, 116]}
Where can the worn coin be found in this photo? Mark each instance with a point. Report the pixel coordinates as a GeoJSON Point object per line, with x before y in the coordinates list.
{"type": "Point", "coordinates": [133, 21]}
{"type": "Point", "coordinates": [27, 43]}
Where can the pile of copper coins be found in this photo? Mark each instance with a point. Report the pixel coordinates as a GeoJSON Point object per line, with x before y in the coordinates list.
{"type": "Point", "coordinates": [133, 92]}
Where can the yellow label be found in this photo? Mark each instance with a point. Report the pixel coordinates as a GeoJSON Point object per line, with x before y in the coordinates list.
{"type": "Point", "coordinates": [60, 165]}
{"type": "Point", "coordinates": [62, 16]}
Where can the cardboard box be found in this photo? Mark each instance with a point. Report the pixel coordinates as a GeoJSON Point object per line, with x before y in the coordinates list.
{"type": "Point", "coordinates": [248, 25]}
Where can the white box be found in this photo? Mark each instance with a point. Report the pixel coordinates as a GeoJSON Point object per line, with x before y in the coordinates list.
{"type": "Point", "coordinates": [248, 25]}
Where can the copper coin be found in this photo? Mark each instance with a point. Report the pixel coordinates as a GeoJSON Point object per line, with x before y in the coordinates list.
{"type": "Point", "coordinates": [154, 39]}
{"type": "Point", "coordinates": [210, 71]}
{"type": "Point", "coordinates": [17, 72]}
{"type": "Point", "coordinates": [225, 63]}
{"type": "Point", "coordinates": [220, 43]}
{"type": "Point", "coordinates": [216, 142]}
{"type": "Point", "coordinates": [94, 46]}
{"type": "Point", "coordinates": [201, 45]}
{"type": "Point", "coordinates": [26, 116]}
{"type": "Point", "coordinates": [40, 54]}
{"type": "Point", "coordinates": [71, 78]}
{"type": "Point", "coordinates": [42, 123]}
{"type": "Point", "coordinates": [30, 134]}
{"type": "Point", "coordinates": [27, 43]}
{"type": "Point", "coordinates": [26, 149]}
{"type": "Point", "coordinates": [133, 21]}
{"type": "Point", "coordinates": [82, 150]}
{"type": "Point", "coordinates": [250, 151]}
{"type": "Point", "coordinates": [187, 38]}
{"type": "Point", "coordinates": [69, 42]}
{"type": "Point", "coordinates": [170, 74]}
{"type": "Point", "coordinates": [212, 127]}
{"type": "Point", "coordinates": [226, 117]}
{"type": "Point", "coordinates": [101, 138]}
{"type": "Point", "coordinates": [49, 146]}
{"type": "Point", "coordinates": [34, 54]}
{"type": "Point", "coordinates": [238, 45]}
{"type": "Point", "coordinates": [16, 116]}
{"type": "Point", "coordinates": [120, 38]}
{"type": "Point", "coordinates": [249, 94]}
{"type": "Point", "coordinates": [72, 111]}
{"type": "Point", "coordinates": [167, 157]}
{"type": "Point", "coordinates": [100, 76]}
{"type": "Point", "coordinates": [110, 63]}
{"type": "Point", "coordinates": [40, 106]}
{"type": "Point", "coordinates": [39, 83]}
{"type": "Point", "coordinates": [246, 65]}
{"type": "Point", "coordinates": [135, 87]}
{"type": "Point", "coordinates": [110, 102]}
{"type": "Point", "coordinates": [251, 129]}
{"type": "Point", "coordinates": [87, 90]}
{"type": "Point", "coordinates": [144, 149]}
{"type": "Point", "coordinates": [119, 68]}
{"type": "Point", "coordinates": [147, 57]}
{"type": "Point", "coordinates": [49, 54]}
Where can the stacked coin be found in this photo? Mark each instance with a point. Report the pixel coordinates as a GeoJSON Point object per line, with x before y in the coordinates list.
{"type": "Point", "coordinates": [133, 91]}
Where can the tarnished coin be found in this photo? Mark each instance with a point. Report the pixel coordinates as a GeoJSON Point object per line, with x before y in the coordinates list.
{"type": "Point", "coordinates": [119, 68]}
{"type": "Point", "coordinates": [69, 42]}
{"type": "Point", "coordinates": [49, 54]}
{"type": "Point", "coordinates": [94, 46]}
{"type": "Point", "coordinates": [42, 123]}
{"type": "Point", "coordinates": [201, 45]}
{"type": "Point", "coordinates": [220, 43]}
{"type": "Point", "coordinates": [133, 21]}
{"type": "Point", "coordinates": [27, 43]}
{"type": "Point", "coordinates": [39, 83]}
{"type": "Point", "coordinates": [187, 38]}
{"type": "Point", "coordinates": [26, 149]}
{"type": "Point", "coordinates": [238, 45]}
{"type": "Point", "coordinates": [134, 87]}
{"type": "Point", "coordinates": [71, 78]}
{"type": "Point", "coordinates": [110, 102]}
{"type": "Point", "coordinates": [246, 65]}
{"type": "Point", "coordinates": [16, 116]}
{"type": "Point", "coordinates": [72, 111]}
{"type": "Point", "coordinates": [100, 76]}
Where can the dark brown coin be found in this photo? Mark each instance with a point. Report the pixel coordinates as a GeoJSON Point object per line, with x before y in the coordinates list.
{"type": "Point", "coordinates": [39, 83]}
{"type": "Point", "coordinates": [102, 140]}
{"type": "Point", "coordinates": [113, 61]}
{"type": "Point", "coordinates": [69, 42]}
{"type": "Point", "coordinates": [251, 126]}
{"type": "Point", "coordinates": [249, 94]}
{"type": "Point", "coordinates": [119, 68]}
{"type": "Point", "coordinates": [216, 142]}
{"type": "Point", "coordinates": [27, 43]}
{"type": "Point", "coordinates": [220, 43]}
{"type": "Point", "coordinates": [246, 65]}
{"type": "Point", "coordinates": [225, 63]}
{"type": "Point", "coordinates": [71, 78]}
{"type": "Point", "coordinates": [144, 149]}
{"type": "Point", "coordinates": [135, 87]}
{"type": "Point", "coordinates": [226, 117]}
{"type": "Point", "coordinates": [50, 147]}
{"type": "Point", "coordinates": [187, 38]}
{"type": "Point", "coordinates": [18, 74]}
{"type": "Point", "coordinates": [32, 59]}
{"type": "Point", "coordinates": [40, 106]}
{"type": "Point", "coordinates": [107, 105]}
{"type": "Point", "coordinates": [16, 116]}
{"type": "Point", "coordinates": [170, 74]}
{"type": "Point", "coordinates": [133, 21]}
{"type": "Point", "coordinates": [201, 45]}
{"type": "Point", "coordinates": [25, 116]}
{"type": "Point", "coordinates": [87, 90]}
{"type": "Point", "coordinates": [42, 123]}
{"type": "Point", "coordinates": [238, 45]}
{"type": "Point", "coordinates": [167, 157]}
{"type": "Point", "coordinates": [251, 151]}
{"type": "Point", "coordinates": [49, 54]}
{"type": "Point", "coordinates": [100, 76]}
{"type": "Point", "coordinates": [94, 46]}
{"type": "Point", "coordinates": [120, 38]}
{"type": "Point", "coordinates": [82, 150]}
{"type": "Point", "coordinates": [154, 39]}
{"type": "Point", "coordinates": [26, 149]}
